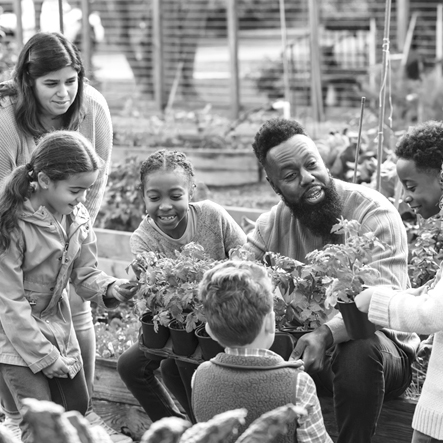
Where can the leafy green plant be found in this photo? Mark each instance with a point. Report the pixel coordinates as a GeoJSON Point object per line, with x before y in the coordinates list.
{"type": "Point", "coordinates": [168, 286]}
{"type": "Point", "coordinates": [123, 207]}
{"type": "Point", "coordinates": [427, 251]}
{"type": "Point", "coordinates": [346, 266]}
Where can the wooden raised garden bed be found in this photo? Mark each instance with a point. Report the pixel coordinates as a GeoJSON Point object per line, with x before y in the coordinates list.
{"type": "Point", "coordinates": [214, 167]}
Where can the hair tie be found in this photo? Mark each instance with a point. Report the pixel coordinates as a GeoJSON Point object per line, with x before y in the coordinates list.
{"type": "Point", "coordinates": [30, 172]}
{"type": "Point", "coordinates": [29, 167]}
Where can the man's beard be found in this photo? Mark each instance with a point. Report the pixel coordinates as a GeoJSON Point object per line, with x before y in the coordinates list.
{"type": "Point", "coordinates": [319, 218]}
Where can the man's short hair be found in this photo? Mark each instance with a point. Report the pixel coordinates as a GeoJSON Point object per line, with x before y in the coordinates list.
{"type": "Point", "coordinates": [236, 297]}
{"type": "Point", "coordinates": [274, 132]}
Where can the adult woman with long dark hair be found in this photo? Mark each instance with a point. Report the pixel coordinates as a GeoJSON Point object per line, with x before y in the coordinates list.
{"type": "Point", "coordinates": [48, 91]}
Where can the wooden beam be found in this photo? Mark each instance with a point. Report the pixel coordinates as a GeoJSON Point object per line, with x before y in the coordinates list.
{"type": "Point", "coordinates": [86, 37]}
{"type": "Point", "coordinates": [284, 54]}
{"type": "Point", "coordinates": [60, 16]}
{"type": "Point", "coordinates": [157, 43]}
{"type": "Point", "coordinates": [439, 41]}
{"type": "Point", "coordinates": [316, 84]}
{"type": "Point", "coordinates": [19, 26]}
{"type": "Point", "coordinates": [403, 8]}
{"type": "Point", "coordinates": [232, 17]}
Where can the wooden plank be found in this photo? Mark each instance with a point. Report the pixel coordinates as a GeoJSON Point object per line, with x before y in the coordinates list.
{"type": "Point", "coordinates": [113, 244]}
{"type": "Point", "coordinates": [123, 417]}
{"type": "Point", "coordinates": [212, 167]}
{"type": "Point", "coordinates": [394, 424]}
{"type": "Point", "coordinates": [108, 385]}
{"type": "Point", "coordinates": [157, 48]}
{"type": "Point", "coordinates": [232, 16]}
{"type": "Point", "coordinates": [116, 268]}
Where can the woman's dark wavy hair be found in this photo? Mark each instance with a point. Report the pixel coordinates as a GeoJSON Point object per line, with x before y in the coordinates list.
{"type": "Point", "coordinates": [59, 155]}
{"type": "Point", "coordinates": [423, 144]}
{"type": "Point", "coordinates": [272, 133]}
{"type": "Point", "coordinates": [44, 52]}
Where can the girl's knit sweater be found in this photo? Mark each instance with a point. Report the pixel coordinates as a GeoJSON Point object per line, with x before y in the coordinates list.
{"type": "Point", "coordinates": [408, 311]}
{"type": "Point", "coordinates": [215, 230]}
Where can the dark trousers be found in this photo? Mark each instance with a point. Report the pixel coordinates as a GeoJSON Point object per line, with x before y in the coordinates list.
{"type": "Point", "coordinates": [360, 375]}
{"type": "Point", "coordinates": [72, 394]}
{"type": "Point", "coordinates": [136, 369]}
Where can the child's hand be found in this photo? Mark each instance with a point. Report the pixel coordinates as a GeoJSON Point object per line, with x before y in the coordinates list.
{"type": "Point", "coordinates": [58, 369]}
{"type": "Point", "coordinates": [363, 300]}
{"type": "Point", "coordinates": [122, 290]}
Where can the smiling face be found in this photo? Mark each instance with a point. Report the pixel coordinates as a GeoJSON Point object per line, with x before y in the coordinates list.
{"type": "Point", "coordinates": [60, 197]}
{"type": "Point", "coordinates": [422, 188]}
{"type": "Point", "coordinates": [296, 170]}
{"type": "Point", "coordinates": [56, 91]}
{"type": "Point", "coordinates": [166, 197]}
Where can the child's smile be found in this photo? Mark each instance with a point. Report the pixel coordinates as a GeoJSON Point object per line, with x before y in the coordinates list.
{"type": "Point", "coordinates": [166, 196]}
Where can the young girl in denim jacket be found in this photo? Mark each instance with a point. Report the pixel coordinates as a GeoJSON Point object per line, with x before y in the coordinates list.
{"type": "Point", "coordinates": [46, 240]}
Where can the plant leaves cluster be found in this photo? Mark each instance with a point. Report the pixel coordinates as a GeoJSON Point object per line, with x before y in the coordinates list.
{"type": "Point", "coordinates": [169, 286]}
{"type": "Point", "coordinates": [427, 251]}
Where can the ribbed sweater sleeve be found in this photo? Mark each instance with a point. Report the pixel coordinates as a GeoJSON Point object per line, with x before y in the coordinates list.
{"type": "Point", "coordinates": [97, 127]}
{"type": "Point", "coordinates": [405, 311]}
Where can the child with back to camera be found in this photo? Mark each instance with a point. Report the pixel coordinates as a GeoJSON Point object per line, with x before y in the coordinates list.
{"type": "Point", "coordinates": [46, 240]}
{"type": "Point", "coordinates": [420, 170]}
{"type": "Point", "coordinates": [238, 304]}
{"type": "Point", "coordinates": [172, 221]}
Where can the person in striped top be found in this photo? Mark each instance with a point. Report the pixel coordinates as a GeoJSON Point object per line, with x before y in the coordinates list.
{"type": "Point", "coordinates": [360, 374]}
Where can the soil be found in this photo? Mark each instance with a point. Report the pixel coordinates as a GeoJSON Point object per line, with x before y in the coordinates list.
{"type": "Point", "coordinates": [257, 195]}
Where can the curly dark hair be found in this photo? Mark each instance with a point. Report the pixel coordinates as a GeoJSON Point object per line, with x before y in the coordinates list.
{"type": "Point", "coordinates": [424, 145]}
{"type": "Point", "coordinates": [274, 132]}
{"type": "Point", "coordinates": [167, 161]}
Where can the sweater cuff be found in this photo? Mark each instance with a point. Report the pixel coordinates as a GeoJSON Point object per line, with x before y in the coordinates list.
{"type": "Point", "coordinates": [338, 329]}
{"type": "Point", "coordinates": [379, 306]}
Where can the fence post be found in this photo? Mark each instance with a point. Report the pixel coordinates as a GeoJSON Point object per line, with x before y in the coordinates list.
{"type": "Point", "coordinates": [157, 44]}
{"type": "Point", "coordinates": [439, 41]}
{"type": "Point", "coordinates": [86, 36]}
{"type": "Point", "coordinates": [19, 26]}
{"type": "Point", "coordinates": [233, 57]}
{"type": "Point", "coordinates": [402, 22]}
{"type": "Point", "coordinates": [60, 16]}
{"type": "Point", "coordinates": [316, 84]}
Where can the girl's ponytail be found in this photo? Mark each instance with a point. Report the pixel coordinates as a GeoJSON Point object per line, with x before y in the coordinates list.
{"type": "Point", "coordinates": [16, 189]}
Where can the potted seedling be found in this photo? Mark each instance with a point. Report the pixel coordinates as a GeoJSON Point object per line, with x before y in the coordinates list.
{"type": "Point", "coordinates": [347, 271]}
{"type": "Point", "coordinates": [168, 289]}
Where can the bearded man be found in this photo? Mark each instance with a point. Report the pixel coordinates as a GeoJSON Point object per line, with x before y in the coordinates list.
{"type": "Point", "coordinates": [359, 374]}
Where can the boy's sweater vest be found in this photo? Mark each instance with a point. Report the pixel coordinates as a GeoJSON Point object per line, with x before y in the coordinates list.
{"type": "Point", "coordinates": [258, 384]}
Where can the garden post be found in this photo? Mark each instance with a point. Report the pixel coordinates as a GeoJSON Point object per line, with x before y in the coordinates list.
{"type": "Point", "coordinates": [157, 47]}
{"type": "Point", "coordinates": [232, 15]}
{"type": "Point", "coordinates": [382, 97]}
{"type": "Point", "coordinates": [60, 16]}
{"type": "Point", "coordinates": [86, 37]}
{"type": "Point", "coordinates": [285, 56]}
{"type": "Point", "coordinates": [19, 26]}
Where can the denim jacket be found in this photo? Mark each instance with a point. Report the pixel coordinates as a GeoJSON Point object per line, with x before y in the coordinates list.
{"type": "Point", "coordinates": [35, 317]}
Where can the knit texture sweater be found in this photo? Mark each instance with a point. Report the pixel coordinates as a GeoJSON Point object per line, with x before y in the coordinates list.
{"type": "Point", "coordinates": [422, 313]}
{"type": "Point", "coordinates": [217, 389]}
{"type": "Point", "coordinates": [16, 148]}
{"type": "Point", "coordinates": [215, 230]}
{"type": "Point", "coordinates": [278, 231]}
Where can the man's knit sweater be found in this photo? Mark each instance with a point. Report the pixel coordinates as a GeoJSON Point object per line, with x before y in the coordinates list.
{"type": "Point", "coordinates": [278, 231]}
{"type": "Point", "coordinates": [16, 148]}
{"type": "Point", "coordinates": [421, 314]}
{"type": "Point", "coordinates": [215, 230]}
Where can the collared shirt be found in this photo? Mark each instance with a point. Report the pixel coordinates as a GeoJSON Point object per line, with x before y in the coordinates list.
{"type": "Point", "coordinates": [311, 428]}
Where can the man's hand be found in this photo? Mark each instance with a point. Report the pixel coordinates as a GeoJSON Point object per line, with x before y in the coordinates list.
{"type": "Point", "coordinates": [363, 300]}
{"type": "Point", "coordinates": [311, 348]}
